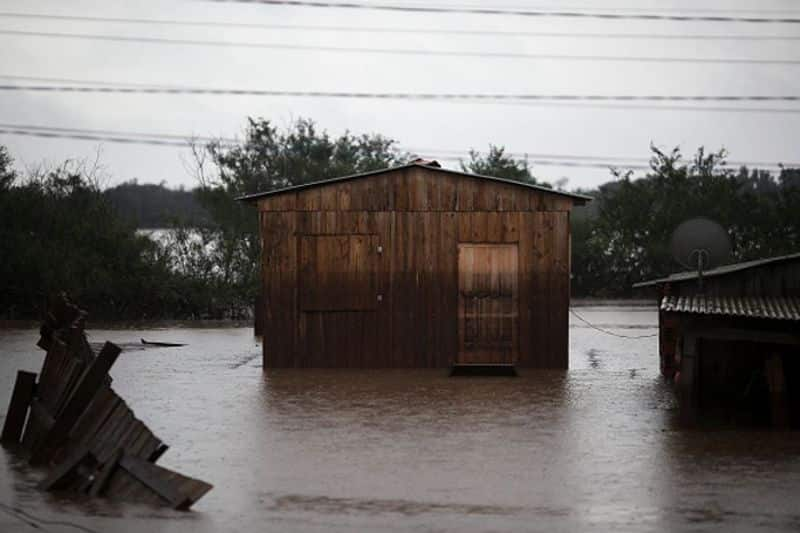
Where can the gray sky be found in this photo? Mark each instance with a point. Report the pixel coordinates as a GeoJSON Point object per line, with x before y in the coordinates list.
{"type": "Point", "coordinates": [429, 126]}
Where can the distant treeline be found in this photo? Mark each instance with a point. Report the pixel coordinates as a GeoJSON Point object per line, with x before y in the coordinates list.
{"type": "Point", "coordinates": [60, 231]}
{"type": "Point", "coordinates": [148, 205]}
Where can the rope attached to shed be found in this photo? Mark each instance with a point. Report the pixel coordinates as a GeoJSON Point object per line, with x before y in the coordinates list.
{"type": "Point", "coordinates": [607, 332]}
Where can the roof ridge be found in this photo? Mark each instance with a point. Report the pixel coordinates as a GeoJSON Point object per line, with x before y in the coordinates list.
{"type": "Point", "coordinates": [412, 164]}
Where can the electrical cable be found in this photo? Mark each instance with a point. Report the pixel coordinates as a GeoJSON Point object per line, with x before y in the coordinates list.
{"type": "Point", "coordinates": [607, 332]}
{"type": "Point", "coordinates": [568, 100]}
{"type": "Point", "coordinates": [168, 139]}
{"type": "Point", "coordinates": [517, 12]}
{"type": "Point", "coordinates": [399, 30]}
{"type": "Point", "coordinates": [408, 51]}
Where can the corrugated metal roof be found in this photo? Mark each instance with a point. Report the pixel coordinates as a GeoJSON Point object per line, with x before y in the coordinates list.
{"type": "Point", "coordinates": [580, 198]}
{"type": "Point", "coordinates": [776, 308]}
{"type": "Point", "coordinates": [719, 271]}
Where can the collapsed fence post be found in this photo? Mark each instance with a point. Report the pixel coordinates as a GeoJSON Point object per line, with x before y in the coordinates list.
{"type": "Point", "coordinates": [21, 399]}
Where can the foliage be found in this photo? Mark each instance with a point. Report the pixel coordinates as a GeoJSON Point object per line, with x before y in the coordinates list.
{"type": "Point", "coordinates": [627, 238]}
{"type": "Point", "coordinates": [149, 205]}
{"type": "Point", "coordinates": [7, 174]}
{"type": "Point", "coordinates": [59, 232]}
{"type": "Point", "coordinates": [498, 164]}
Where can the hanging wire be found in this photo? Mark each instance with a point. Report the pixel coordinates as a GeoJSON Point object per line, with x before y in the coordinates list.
{"type": "Point", "coordinates": [607, 332]}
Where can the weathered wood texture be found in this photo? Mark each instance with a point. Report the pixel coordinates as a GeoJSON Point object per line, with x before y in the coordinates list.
{"type": "Point", "coordinates": [21, 398]}
{"type": "Point", "coordinates": [364, 273]}
{"type": "Point", "coordinates": [488, 303]}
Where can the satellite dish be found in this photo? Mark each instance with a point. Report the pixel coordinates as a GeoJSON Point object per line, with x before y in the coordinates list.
{"type": "Point", "coordinates": [700, 244]}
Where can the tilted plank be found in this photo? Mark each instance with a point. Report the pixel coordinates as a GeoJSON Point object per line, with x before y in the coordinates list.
{"type": "Point", "coordinates": [91, 381]}
{"type": "Point", "coordinates": [21, 399]}
{"type": "Point", "coordinates": [163, 482]}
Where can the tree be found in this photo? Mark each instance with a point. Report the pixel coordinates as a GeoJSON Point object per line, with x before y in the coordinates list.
{"type": "Point", "coordinates": [499, 165]}
{"type": "Point", "coordinates": [627, 239]}
{"type": "Point", "coordinates": [7, 174]}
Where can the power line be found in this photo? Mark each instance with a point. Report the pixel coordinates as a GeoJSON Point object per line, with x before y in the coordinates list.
{"type": "Point", "coordinates": [607, 332]}
{"type": "Point", "coordinates": [406, 51]}
{"type": "Point", "coordinates": [170, 139]}
{"type": "Point", "coordinates": [525, 13]}
{"type": "Point", "coordinates": [182, 139]}
{"type": "Point", "coordinates": [628, 162]}
{"type": "Point", "coordinates": [653, 102]}
{"type": "Point", "coordinates": [88, 137]}
{"type": "Point", "coordinates": [399, 30]}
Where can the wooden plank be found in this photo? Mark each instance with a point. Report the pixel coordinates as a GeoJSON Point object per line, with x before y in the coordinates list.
{"type": "Point", "coordinates": [109, 439]}
{"type": "Point", "coordinates": [464, 226]}
{"type": "Point", "coordinates": [448, 195]}
{"type": "Point", "coordinates": [419, 189]}
{"type": "Point", "coordinates": [156, 455]}
{"type": "Point", "coordinates": [466, 193]}
{"type": "Point", "coordinates": [479, 226]}
{"type": "Point", "coordinates": [400, 188]}
{"type": "Point", "coordinates": [91, 381]}
{"type": "Point", "coordinates": [448, 281]}
{"type": "Point", "coordinates": [510, 226]}
{"type": "Point", "coordinates": [102, 478]}
{"type": "Point", "coordinates": [21, 398]}
{"type": "Point", "coordinates": [382, 332]}
{"type": "Point", "coordinates": [67, 381]}
{"type": "Point", "coordinates": [329, 197]}
{"type": "Point", "coordinates": [53, 361]}
{"type": "Point", "coordinates": [60, 474]}
{"type": "Point", "coordinates": [278, 202]}
{"type": "Point", "coordinates": [494, 227]}
{"type": "Point", "coordinates": [95, 415]}
{"type": "Point", "coordinates": [529, 301]}
{"type": "Point", "coordinates": [156, 479]}
{"type": "Point", "coordinates": [560, 282]}
{"type": "Point", "coordinates": [343, 196]}
{"type": "Point", "coordinates": [39, 422]}
{"type": "Point", "coordinates": [309, 199]}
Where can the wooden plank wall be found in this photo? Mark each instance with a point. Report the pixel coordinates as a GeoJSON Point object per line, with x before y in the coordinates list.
{"type": "Point", "coordinates": [418, 216]}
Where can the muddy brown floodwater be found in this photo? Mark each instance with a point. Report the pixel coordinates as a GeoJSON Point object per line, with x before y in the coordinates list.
{"type": "Point", "coordinates": [595, 448]}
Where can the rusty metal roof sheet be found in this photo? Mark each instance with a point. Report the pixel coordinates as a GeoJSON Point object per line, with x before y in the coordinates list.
{"type": "Point", "coordinates": [775, 308]}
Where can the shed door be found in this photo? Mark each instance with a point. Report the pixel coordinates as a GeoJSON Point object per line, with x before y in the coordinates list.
{"type": "Point", "coordinates": [488, 303]}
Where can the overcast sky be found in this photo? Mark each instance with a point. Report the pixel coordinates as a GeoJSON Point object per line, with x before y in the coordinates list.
{"type": "Point", "coordinates": [427, 127]}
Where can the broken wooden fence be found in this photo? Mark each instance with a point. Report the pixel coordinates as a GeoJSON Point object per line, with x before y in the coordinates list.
{"type": "Point", "coordinates": [72, 422]}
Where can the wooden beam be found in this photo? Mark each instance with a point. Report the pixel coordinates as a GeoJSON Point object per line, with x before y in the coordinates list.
{"type": "Point", "coordinates": [21, 398]}
{"type": "Point", "coordinates": [687, 380]}
{"type": "Point", "coordinates": [105, 473]}
{"type": "Point", "coordinates": [153, 477]}
{"type": "Point", "coordinates": [90, 382]}
{"type": "Point", "coordinates": [61, 472]}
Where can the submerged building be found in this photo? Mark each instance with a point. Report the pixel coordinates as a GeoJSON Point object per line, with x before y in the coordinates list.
{"type": "Point", "coordinates": [415, 266]}
{"type": "Point", "coordinates": [732, 343]}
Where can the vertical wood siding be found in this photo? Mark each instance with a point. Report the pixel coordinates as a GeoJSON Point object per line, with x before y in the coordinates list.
{"type": "Point", "coordinates": [400, 308]}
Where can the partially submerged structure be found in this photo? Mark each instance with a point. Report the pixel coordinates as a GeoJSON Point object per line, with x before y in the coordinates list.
{"type": "Point", "coordinates": [415, 266]}
{"type": "Point", "coordinates": [733, 344]}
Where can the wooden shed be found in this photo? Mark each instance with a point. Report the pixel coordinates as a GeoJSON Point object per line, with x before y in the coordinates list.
{"type": "Point", "coordinates": [415, 266]}
{"type": "Point", "coordinates": [732, 344]}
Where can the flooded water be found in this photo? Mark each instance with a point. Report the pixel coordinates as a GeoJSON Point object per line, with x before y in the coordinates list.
{"type": "Point", "coordinates": [594, 448]}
